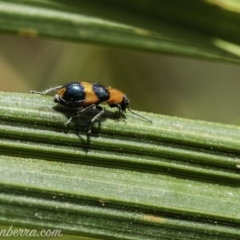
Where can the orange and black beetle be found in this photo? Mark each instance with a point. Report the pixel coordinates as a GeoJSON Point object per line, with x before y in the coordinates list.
{"type": "Point", "coordinates": [89, 95]}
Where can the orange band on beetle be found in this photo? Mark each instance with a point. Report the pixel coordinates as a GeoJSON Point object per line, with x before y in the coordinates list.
{"type": "Point", "coordinates": [90, 97]}
{"type": "Point", "coordinates": [116, 96]}
{"type": "Point", "coordinates": [61, 92]}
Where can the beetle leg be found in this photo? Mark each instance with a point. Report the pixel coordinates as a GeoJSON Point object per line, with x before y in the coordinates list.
{"type": "Point", "coordinates": [101, 111]}
{"type": "Point", "coordinates": [120, 113]}
{"type": "Point", "coordinates": [79, 113]}
{"type": "Point", "coordinates": [47, 90]}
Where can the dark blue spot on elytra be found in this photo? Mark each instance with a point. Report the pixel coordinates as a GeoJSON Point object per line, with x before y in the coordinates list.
{"type": "Point", "coordinates": [74, 93]}
{"type": "Point", "coordinates": [101, 92]}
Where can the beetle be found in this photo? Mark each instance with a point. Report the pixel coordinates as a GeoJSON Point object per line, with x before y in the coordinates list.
{"type": "Point", "coordinates": [89, 95]}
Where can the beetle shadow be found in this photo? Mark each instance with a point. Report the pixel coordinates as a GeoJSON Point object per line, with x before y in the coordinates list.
{"type": "Point", "coordinates": [78, 125]}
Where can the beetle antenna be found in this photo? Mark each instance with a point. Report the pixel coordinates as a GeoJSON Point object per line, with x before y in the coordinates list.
{"type": "Point", "coordinates": [148, 120]}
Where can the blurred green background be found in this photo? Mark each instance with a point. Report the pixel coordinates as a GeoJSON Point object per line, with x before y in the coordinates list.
{"type": "Point", "coordinates": [164, 84]}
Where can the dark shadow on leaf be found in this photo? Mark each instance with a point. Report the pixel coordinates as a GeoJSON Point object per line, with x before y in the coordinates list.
{"type": "Point", "coordinates": [79, 124]}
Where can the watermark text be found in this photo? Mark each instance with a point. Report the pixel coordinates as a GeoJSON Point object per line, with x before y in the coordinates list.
{"type": "Point", "coordinates": [26, 232]}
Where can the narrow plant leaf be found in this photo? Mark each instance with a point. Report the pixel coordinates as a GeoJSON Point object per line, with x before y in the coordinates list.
{"type": "Point", "coordinates": [190, 28]}
{"type": "Point", "coordinates": [175, 178]}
